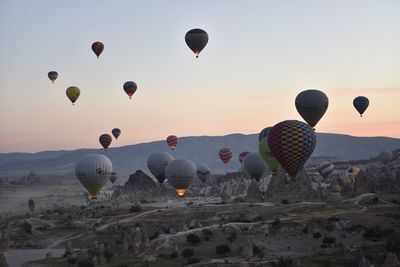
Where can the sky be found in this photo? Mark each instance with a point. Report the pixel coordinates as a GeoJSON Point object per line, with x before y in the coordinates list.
{"type": "Point", "coordinates": [260, 55]}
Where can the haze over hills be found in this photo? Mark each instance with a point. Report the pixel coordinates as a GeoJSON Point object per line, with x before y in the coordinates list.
{"type": "Point", "coordinates": [199, 149]}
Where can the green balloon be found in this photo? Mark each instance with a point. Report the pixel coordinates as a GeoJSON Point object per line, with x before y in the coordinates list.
{"type": "Point", "coordinates": [267, 156]}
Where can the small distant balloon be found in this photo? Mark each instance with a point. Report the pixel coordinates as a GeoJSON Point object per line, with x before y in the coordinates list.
{"type": "Point", "coordinates": [172, 141]}
{"type": "Point", "coordinates": [351, 174]}
{"type": "Point", "coordinates": [196, 40]}
{"type": "Point", "coordinates": [325, 169]}
{"type": "Point", "coordinates": [116, 132]}
{"type": "Point", "coordinates": [105, 140]}
{"type": "Point", "coordinates": [98, 48]}
{"type": "Point", "coordinates": [203, 173]}
{"type": "Point", "coordinates": [130, 88]}
{"type": "Point", "coordinates": [361, 104]}
{"type": "Point", "coordinates": [113, 177]}
{"type": "Point", "coordinates": [242, 155]}
{"type": "Point", "coordinates": [73, 93]}
{"type": "Point", "coordinates": [52, 76]}
{"type": "Point", "coordinates": [225, 154]}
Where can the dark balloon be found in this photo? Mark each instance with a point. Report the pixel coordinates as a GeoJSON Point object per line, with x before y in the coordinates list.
{"type": "Point", "coordinates": [242, 156]}
{"type": "Point", "coordinates": [325, 169]}
{"type": "Point", "coordinates": [130, 88]}
{"type": "Point", "coordinates": [52, 76]}
{"type": "Point", "coordinates": [312, 105]}
{"type": "Point", "coordinates": [97, 48]}
{"type": "Point", "coordinates": [292, 142]}
{"type": "Point", "coordinates": [172, 141]}
{"type": "Point", "coordinates": [196, 39]}
{"type": "Point", "coordinates": [361, 103]}
{"type": "Point", "coordinates": [105, 140]}
{"type": "Point", "coordinates": [116, 132]}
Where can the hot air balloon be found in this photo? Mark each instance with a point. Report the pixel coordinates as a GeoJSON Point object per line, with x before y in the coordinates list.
{"type": "Point", "coordinates": [385, 156]}
{"type": "Point", "coordinates": [52, 76]}
{"type": "Point", "coordinates": [225, 154]}
{"type": "Point", "coordinates": [73, 93]}
{"type": "Point", "coordinates": [267, 156]}
{"type": "Point", "coordinates": [97, 48]}
{"type": "Point", "coordinates": [130, 88]}
{"type": "Point", "coordinates": [254, 165]}
{"type": "Point", "coordinates": [196, 39]}
{"type": "Point", "coordinates": [172, 141]}
{"type": "Point", "coordinates": [113, 177]}
{"type": "Point", "coordinates": [361, 103]}
{"type": "Point", "coordinates": [156, 163]}
{"type": "Point", "coordinates": [203, 173]}
{"type": "Point", "coordinates": [325, 169]}
{"type": "Point", "coordinates": [264, 133]}
{"type": "Point", "coordinates": [351, 174]}
{"type": "Point", "coordinates": [93, 171]}
{"type": "Point", "coordinates": [116, 132]}
{"type": "Point", "coordinates": [105, 140]}
{"type": "Point", "coordinates": [312, 105]}
{"type": "Point", "coordinates": [242, 155]}
{"type": "Point", "coordinates": [180, 174]}
{"type": "Point", "coordinates": [292, 142]}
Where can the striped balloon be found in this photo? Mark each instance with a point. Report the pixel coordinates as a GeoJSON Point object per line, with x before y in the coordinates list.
{"type": "Point", "coordinates": [116, 132]}
{"type": "Point", "coordinates": [292, 142]}
{"type": "Point", "coordinates": [105, 140]}
{"type": "Point", "coordinates": [52, 76]}
{"type": "Point", "coordinates": [325, 169]}
{"type": "Point", "coordinates": [172, 141]}
{"type": "Point", "coordinates": [225, 154]}
{"type": "Point", "coordinates": [130, 88]}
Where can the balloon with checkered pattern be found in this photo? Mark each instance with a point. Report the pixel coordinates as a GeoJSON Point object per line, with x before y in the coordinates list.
{"type": "Point", "coordinates": [292, 142]}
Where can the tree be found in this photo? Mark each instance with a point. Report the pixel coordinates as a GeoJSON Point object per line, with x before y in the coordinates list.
{"type": "Point", "coordinates": [193, 239]}
{"type": "Point", "coordinates": [222, 249]}
{"type": "Point", "coordinates": [393, 242]}
{"type": "Point", "coordinates": [135, 208]}
{"type": "Point", "coordinates": [108, 254]}
{"type": "Point", "coordinates": [187, 252]}
{"type": "Point", "coordinates": [207, 234]}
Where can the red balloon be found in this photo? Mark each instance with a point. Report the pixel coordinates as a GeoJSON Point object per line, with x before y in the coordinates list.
{"type": "Point", "coordinates": [130, 88]}
{"type": "Point", "coordinates": [172, 141]}
{"type": "Point", "coordinates": [97, 48]}
{"type": "Point", "coordinates": [225, 154]}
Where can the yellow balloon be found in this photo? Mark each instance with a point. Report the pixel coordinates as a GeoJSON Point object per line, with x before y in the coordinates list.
{"type": "Point", "coordinates": [351, 174]}
{"type": "Point", "coordinates": [73, 93]}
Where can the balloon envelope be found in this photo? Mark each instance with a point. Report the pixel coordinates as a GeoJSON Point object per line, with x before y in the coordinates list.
{"type": "Point", "coordinates": [113, 177]}
{"type": "Point", "coordinates": [351, 174]}
{"type": "Point", "coordinates": [180, 174]}
{"type": "Point", "coordinates": [312, 105]}
{"type": "Point", "coordinates": [172, 141]}
{"type": "Point", "coordinates": [105, 140]}
{"type": "Point", "coordinates": [97, 48]}
{"type": "Point", "coordinates": [196, 40]}
{"type": "Point", "coordinates": [130, 88]}
{"type": "Point", "coordinates": [361, 104]}
{"type": "Point", "coordinates": [267, 155]}
{"type": "Point", "coordinates": [255, 165]}
{"type": "Point", "coordinates": [264, 133]}
{"type": "Point", "coordinates": [225, 154]}
{"type": "Point", "coordinates": [157, 162]}
{"type": "Point", "coordinates": [93, 171]}
{"type": "Point", "coordinates": [242, 155]}
{"type": "Point", "coordinates": [385, 156]}
{"type": "Point", "coordinates": [73, 93]}
{"type": "Point", "coordinates": [52, 76]}
{"type": "Point", "coordinates": [292, 142]}
{"type": "Point", "coordinates": [203, 173]}
{"type": "Point", "coordinates": [325, 169]}
{"type": "Point", "coordinates": [116, 132]}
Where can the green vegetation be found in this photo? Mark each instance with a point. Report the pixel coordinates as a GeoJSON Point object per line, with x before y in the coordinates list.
{"type": "Point", "coordinates": [232, 237]}
{"type": "Point", "coordinates": [222, 250]}
{"type": "Point", "coordinates": [207, 234]}
{"type": "Point", "coordinates": [187, 252]}
{"type": "Point", "coordinates": [135, 208]}
{"type": "Point", "coordinates": [283, 262]}
{"type": "Point", "coordinates": [192, 239]}
{"type": "Point", "coordinates": [393, 242]}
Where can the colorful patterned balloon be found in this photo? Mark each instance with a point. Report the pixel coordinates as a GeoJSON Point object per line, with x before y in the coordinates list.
{"type": "Point", "coordinates": [292, 142]}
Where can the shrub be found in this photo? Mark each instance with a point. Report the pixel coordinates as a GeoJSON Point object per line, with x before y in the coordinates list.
{"type": "Point", "coordinates": [108, 254]}
{"type": "Point", "coordinates": [154, 235]}
{"type": "Point", "coordinates": [135, 208]}
{"type": "Point", "coordinates": [283, 262]}
{"type": "Point", "coordinates": [86, 263]}
{"type": "Point", "coordinates": [207, 234]}
{"type": "Point", "coordinates": [232, 237]}
{"type": "Point", "coordinates": [174, 255]}
{"type": "Point", "coordinates": [329, 240]}
{"type": "Point", "coordinates": [276, 223]}
{"type": "Point", "coordinates": [393, 242]}
{"type": "Point", "coordinates": [193, 260]}
{"type": "Point", "coordinates": [285, 201]}
{"type": "Point", "coordinates": [187, 252]}
{"type": "Point", "coordinates": [222, 249]}
{"type": "Point", "coordinates": [330, 227]}
{"type": "Point", "coordinates": [257, 250]}
{"type": "Point", "coordinates": [193, 239]}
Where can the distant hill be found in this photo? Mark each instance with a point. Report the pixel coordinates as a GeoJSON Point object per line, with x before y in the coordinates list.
{"type": "Point", "coordinates": [199, 149]}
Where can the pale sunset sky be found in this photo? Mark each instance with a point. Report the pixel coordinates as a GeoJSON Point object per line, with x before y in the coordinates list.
{"type": "Point", "coordinates": [260, 55]}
